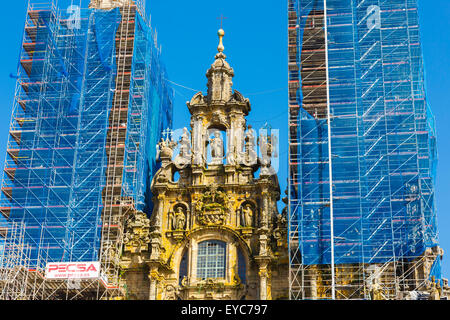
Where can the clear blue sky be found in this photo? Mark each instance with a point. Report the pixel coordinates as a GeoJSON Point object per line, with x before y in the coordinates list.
{"type": "Point", "coordinates": [256, 46]}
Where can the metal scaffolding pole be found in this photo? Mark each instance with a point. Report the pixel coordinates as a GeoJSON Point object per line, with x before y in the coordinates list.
{"type": "Point", "coordinates": [330, 156]}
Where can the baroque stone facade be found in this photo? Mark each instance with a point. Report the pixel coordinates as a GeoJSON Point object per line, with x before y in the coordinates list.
{"type": "Point", "coordinates": [215, 231]}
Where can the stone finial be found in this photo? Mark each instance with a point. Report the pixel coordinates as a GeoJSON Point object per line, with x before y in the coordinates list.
{"type": "Point", "coordinates": [166, 147]}
{"type": "Point", "coordinates": [220, 75]}
{"type": "Point", "coordinates": [221, 34]}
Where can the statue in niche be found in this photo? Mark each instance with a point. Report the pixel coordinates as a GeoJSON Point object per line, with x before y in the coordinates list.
{"type": "Point", "coordinates": [247, 216]}
{"type": "Point", "coordinates": [179, 219]}
{"type": "Point", "coordinates": [216, 148]}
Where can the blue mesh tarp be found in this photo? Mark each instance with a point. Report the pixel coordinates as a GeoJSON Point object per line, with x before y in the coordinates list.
{"type": "Point", "coordinates": [436, 272]}
{"type": "Point", "coordinates": [382, 139]}
{"type": "Point", "coordinates": [57, 187]}
{"type": "Point", "coordinates": [151, 113]}
{"type": "Point", "coordinates": [58, 144]}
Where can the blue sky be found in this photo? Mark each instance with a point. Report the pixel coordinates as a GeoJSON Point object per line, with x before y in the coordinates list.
{"type": "Point", "coordinates": [256, 46]}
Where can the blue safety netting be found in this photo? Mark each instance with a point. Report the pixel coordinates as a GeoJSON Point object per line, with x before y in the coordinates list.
{"type": "Point", "coordinates": [145, 125]}
{"type": "Point", "coordinates": [383, 144]}
{"type": "Point", "coordinates": [436, 271]}
{"type": "Point", "coordinates": [55, 173]}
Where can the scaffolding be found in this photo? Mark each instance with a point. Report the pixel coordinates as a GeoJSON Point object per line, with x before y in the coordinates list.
{"type": "Point", "coordinates": [14, 262]}
{"type": "Point", "coordinates": [90, 104]}
{"type": "Point", "coordinates": [23, 279]}
{"type": "Point", "coordinates": [362, 160]}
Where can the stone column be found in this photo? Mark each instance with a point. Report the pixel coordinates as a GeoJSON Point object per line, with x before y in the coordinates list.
{"type": "Point", "coordinates": [233, 263]}
{"type": "Point", "coordinates": [240, 136]}
{"type": "Point", "coordinates": [265, 209]}
{"type": "Point", "coordinates": [264, 281]}
{"type": "Point", "coordinates": [156, 234]}
{"type": "Point", "coordinates": [160, 212]}
{"type": "Point", "coordinates": [235, 139]}
{"type": "Point", "coordinates": [193, 250]}
{"type": "Point", "coordinates": [197, 141]}
{"type": "Point", "coordinates": [153, 277]}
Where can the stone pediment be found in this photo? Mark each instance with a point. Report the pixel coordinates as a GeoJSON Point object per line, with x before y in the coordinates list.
{"type": "Point", "coordinates": [238, 99]}
{"type": "Point", "coordinates": [237, 96]}
{"type": "Point", "coordinates": [197, 99]}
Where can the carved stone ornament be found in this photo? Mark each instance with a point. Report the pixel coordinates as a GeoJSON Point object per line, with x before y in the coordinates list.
{"type": "Point", "coordinates": [165, 149]}
{"type": "Point", "coordinates": [170, 292]}
{"type": "Point", "coordinates": [213, 207]}
{"type": "Point", "coordinates": [137, 233]}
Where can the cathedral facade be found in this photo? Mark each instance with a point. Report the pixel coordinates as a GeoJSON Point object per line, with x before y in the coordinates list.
{"type": "Point", "coordinates": [215, 231]}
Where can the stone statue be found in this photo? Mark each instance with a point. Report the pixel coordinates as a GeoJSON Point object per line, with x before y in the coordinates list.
{"type": "Point", "coordinates": [376, 292]}
{"type": "Point", "coordinates": [185, 144]}
{"type": "Point", "coordinates": [435, 290]}
{"type": "Point", "coordinates": [266, 149]}
{"type": "Point", "coordinates": [216, 148]}
{"type": "Point", "coordinates": [247, 216]}
{"type": "Point", "coordinates": [179, 222]}
{"type": "Point", "coordinates": [165, 150]}
{"type": "Point", "coordinates": [184, 157]}
{"type": "Point", "coordinates": [250, 143]}
{"type": "Point", "coordinates": [267, 146]}
{"type": "Point", "coordinates": [232, 154]}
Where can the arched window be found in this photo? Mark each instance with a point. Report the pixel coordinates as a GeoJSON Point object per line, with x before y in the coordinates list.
{"type": "Point", "coordinates": [183, 267]}
{"type": "Point", "coordinates": [242, 268]}
{"type": "Point", "coordinates": [211, 259]}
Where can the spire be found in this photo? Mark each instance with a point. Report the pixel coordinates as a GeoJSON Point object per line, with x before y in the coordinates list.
{"type": "Point", "coordinates": [220, 75]}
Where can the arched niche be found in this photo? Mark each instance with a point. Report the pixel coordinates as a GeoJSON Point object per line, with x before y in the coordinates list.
{"type": "Point", "coordinates": [247, 214]}
{"type": "Point", "coordinates": [178, 217]}
{"type": "Point", "coordinates": [216, 142]}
